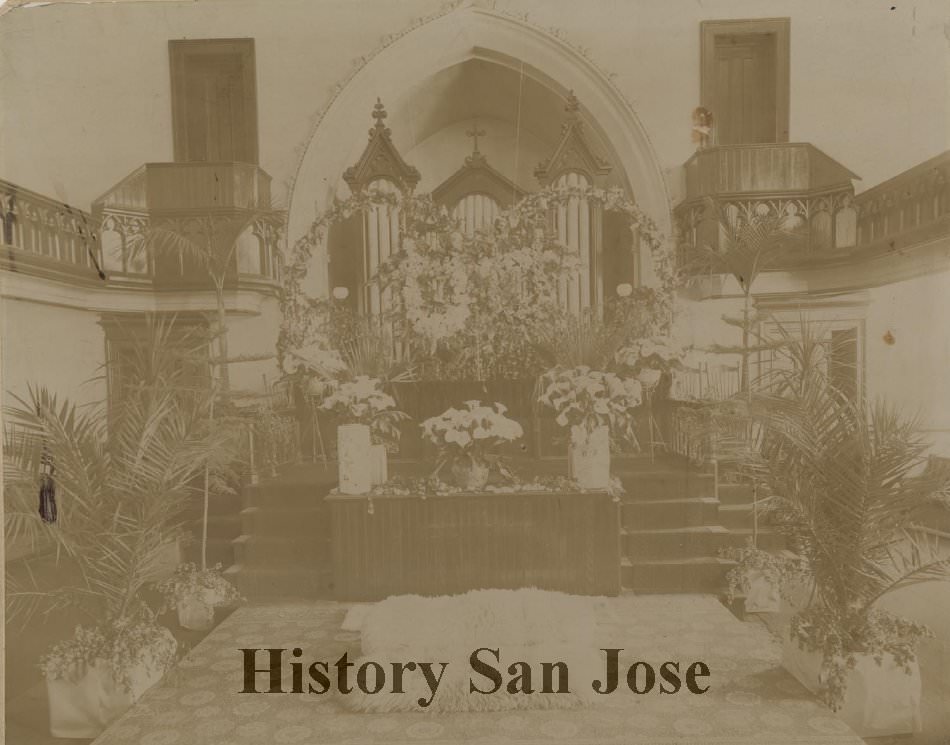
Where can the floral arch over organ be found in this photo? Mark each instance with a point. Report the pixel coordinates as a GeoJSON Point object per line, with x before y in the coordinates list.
{"type": "Point", "coordinates": [481, 293]}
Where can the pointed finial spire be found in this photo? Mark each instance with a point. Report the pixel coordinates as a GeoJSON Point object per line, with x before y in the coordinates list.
{"type": "Point", "coordinates": [379, 114]}
{"type": "Point", "coordinates": [572, 106]}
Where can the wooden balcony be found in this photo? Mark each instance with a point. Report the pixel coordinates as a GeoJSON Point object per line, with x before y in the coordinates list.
{"type": "Point", "coordinates": [226, 202]}
{"type": "Point", "coordinates": [781, 169]}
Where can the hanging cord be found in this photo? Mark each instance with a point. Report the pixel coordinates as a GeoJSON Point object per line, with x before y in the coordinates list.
{"type": "Point", "coordinates": [47, 508]}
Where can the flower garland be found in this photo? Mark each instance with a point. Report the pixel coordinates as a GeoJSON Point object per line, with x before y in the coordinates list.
{"type": "Point", "coordinates": [442, 276]}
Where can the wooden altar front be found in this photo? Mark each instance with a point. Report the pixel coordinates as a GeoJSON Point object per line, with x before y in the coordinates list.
{"type": "Point", "coordinates": [448, 544]}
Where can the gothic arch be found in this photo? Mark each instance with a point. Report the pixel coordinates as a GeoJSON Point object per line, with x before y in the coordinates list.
{"type": "Point", "coordinates": [470, 32]}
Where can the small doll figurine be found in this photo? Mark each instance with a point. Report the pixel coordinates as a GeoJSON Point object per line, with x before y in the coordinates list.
{"type": "Point", "coordinates": [702, 127]}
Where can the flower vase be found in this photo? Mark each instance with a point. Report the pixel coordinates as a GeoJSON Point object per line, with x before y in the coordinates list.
{"type": "Point", "coordinates": [380, 461]}
{"type": "Point", "coordinates": [470, 474]}
{"type": "Point", "coordinates": [195, 612]}
{"type": "Point", "coordinates": [589, 457]}
{"type": "Point", "coordinates": [82, 707]}
{"type": "Point", "coordinates": [354, 458]}
{"type": "Point", "coordinates": [879, 700]}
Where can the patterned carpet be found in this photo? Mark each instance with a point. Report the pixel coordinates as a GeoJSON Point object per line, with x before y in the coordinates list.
{"type": "Point", "coordinates": [752, 701]}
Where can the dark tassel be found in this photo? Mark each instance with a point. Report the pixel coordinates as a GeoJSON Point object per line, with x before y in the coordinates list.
{"type": "Point", "coordinates": [47, 491]}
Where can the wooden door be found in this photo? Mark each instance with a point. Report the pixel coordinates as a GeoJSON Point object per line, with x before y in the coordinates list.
{"type": "Point", "coordinates": [745, 88]}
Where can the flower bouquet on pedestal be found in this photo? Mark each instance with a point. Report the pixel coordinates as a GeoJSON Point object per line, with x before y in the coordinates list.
{"type": "Point", "coordinates": [592, 403]}
{"type": "Point", "coordinates": [467, 440]}
{"type": "Point", "coordinates": [365, 412]}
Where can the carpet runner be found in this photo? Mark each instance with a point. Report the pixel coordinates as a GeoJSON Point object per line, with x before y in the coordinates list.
{"type": "Point", "coordinates": [752, 701]}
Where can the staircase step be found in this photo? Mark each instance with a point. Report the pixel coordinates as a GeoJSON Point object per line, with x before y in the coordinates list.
{"type": "Point", "coordinates": [655, 485]}
{"type": "Point", "coordinates": [220, 551]}
{"type": "Point", "coordinates": [768, 539]}
{"type": "Point", "coordinates": [226, 527]}
{"type": "Point", "coordinates": [302, 551]}
{"type": "Point", "coordinates": [736, 516]}
{"type": "Point", "coordinates": [735, 493]}
{"type": "Point", "coordinates": [260, 583]}
{"type": "Point", "coordinates": [704, 574]}
{"type": "Point", "coordinates": [675, 543]}
{"type": "Point", "coordinates": [670, 513]}
{"type": "Point", "coordinates": [312, 523]}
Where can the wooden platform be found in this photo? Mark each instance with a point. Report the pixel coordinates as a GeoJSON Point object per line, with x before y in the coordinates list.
{"type": "Point", "coordinates": [450, 544]}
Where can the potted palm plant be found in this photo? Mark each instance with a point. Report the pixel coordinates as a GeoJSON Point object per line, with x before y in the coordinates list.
{"type": "Point", "coordinates": [851, 485]}
{"type": "Point", "coordinates": [122, 474]}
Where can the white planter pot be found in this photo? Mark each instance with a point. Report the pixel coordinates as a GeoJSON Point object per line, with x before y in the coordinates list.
{"type": "Point", "coordinates": [588, 457]}
{"type": "Point", "coordinates": [879, 700]}
{"type": "Point", "coordinates": [380, 460]}
{"type": "Point", "coordinates": [355, 458]}
{"type": "Point", "coordinates": [84, 708]}
{"type": "Point", "coordinates": [196, 612]}
{"type": "Point", "coordinates": [762, 596]}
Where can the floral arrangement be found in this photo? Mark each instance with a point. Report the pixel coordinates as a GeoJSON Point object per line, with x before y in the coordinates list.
{"type": "Point", "coordinates": [401, 486]}
{"type": "Point", "coordinates": [472, 432]}
{"type": "Point", "coordinates": [362, 401]}
{"type": "Point", "coordinates": [840, 637]}
{"type": "Point", "coordinates": [591, 398]}
{"type": "Point", "coordinates": [778, 570]}
{"type": "Point", "coordinates": [206, 584]}
{"type": "Point", "coordinates": [473, 306]}
{"type": "Point", "coordinates": [121, 642]}
{"type": "Point", "coordinates": [655, 353]}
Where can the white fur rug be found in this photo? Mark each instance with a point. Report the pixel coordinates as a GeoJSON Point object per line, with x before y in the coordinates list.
{"type": "Point", "coordinates": [528, 625]}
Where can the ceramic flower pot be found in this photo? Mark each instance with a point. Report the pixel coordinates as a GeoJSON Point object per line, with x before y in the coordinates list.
{"type": "Point", "coordinates": [879, 699]}
{"type": "Point", "coordinates": [354, 458]}
{"type": "Point", "coordinates": [195, 612]}
{"type": "Point", "coordinates": [470, 475]}
{"type": "Point", "coordinates": [588, 457]}
{"type": "Point", "coordinates": [84, 706]}
{"type": "Point", "coordinates": [380, 461]}
{"type": "Point", "coordinates": [762, 595]}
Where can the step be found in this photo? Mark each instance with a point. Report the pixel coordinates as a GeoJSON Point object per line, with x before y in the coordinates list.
{"type": "Point", "coordinates": [670, 513]}
{"type": "Point", "coordinates": [226, 527]}
{"type": "Point", "coordinates": [654, 485]}
{"type": "Point", "coordinates": [309, 523]}
{"type": "Point", "coordinates": [220, 551]}
{"type": "Point", "coordinates": [259, 583]}
{"type": "Point", "coordinates": [218, 504]}
{"type": "Point", "coordinates": [674, 543]}
{"type": "Point", "coordinates": [735, 493]}
{"type": "Point", "coordinates": [736, 516]}
{"type": "Point", "coordinates": [703, 574]}
{"type": "Point", "coordinates": [289, 497]}
{"type": "Point", "coordinates": [704, 540]}
{"type": "Point", "coordinates": [256, 551]}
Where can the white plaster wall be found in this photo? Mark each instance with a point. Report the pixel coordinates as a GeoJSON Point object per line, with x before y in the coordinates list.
{"type": "Point", "coordinates": [60, 348]}
{"type": "Point", "coordinates": [914, 371]}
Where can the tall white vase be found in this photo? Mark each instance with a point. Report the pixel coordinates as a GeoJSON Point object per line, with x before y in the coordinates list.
{"type": "Point", "coordinates": [355, 458]}
{"type": "Point", "coordinates": [589, 457]}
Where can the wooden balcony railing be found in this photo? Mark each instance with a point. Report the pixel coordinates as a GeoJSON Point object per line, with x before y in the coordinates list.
{"type": "Point", "coordinates": [815, 194]}
{"type": "Point", "coordinates": [45, 236]}
{"type": "Point", "coordinates": [913, 207]}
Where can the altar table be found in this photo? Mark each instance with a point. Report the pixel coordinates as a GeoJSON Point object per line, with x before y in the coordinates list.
{"type": "Point", "coordinates": [448, 544]}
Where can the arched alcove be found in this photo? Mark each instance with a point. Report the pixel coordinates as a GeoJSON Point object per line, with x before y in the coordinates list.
{"type": "Point", "coordinates": [474, 64]}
